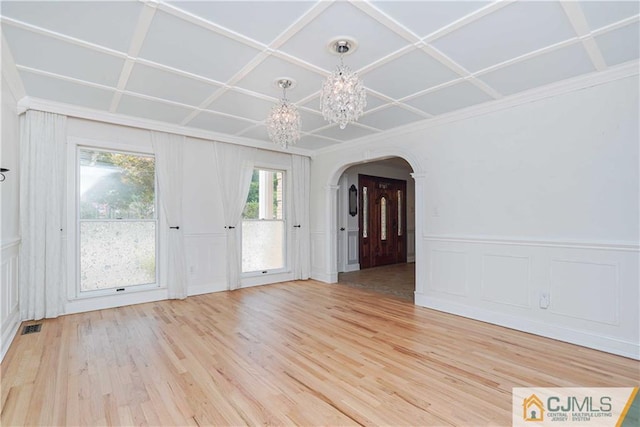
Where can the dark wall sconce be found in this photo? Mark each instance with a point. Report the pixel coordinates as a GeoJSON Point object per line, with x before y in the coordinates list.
{"type": "Point", "coordinates": [353, 200]}
{"type": "Point", "coordinates": [2, 171]}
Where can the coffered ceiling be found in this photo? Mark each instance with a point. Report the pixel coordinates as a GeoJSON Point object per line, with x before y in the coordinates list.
{"type": "Point", "coordinates": [211, 65]}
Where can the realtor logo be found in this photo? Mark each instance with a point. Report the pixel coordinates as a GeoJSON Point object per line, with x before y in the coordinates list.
{"type": "Point", "coordinates": [575, 406]}
{"type": "Point", "coordinates": [533, 409]}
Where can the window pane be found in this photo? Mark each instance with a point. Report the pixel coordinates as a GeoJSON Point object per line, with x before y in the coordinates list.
{"type": "Point", "coordinates": [116, 185]}
{"type": "Point", "coordinates": [365, 213]}
{"type": "Point", "coordinates": [114, 254]}
{"type": "Point", "coordinates": [265, 199]}
{"type": "Point", "coordinates": [262, 245]}
{"type": "Point", "coordinates": [399, 212]}
{"type": "Point", "coordinates": [383, 218]}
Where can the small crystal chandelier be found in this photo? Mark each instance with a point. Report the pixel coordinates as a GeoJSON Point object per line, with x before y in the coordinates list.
{"type": "Point", "coordinates": [343, 95]}
{"type": "Point", "coordinates": [283, 124]}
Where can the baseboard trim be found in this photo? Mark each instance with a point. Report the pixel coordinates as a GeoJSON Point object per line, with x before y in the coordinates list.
{"type": "Point", "coordinates": [206, 289]}
{"type": "Point", "coordinates": [9, 332]}
{"type": "Point", "coordinates": [351, 267]}
{"type": "Point", "coordinates": [324, 277]}
{"type": "Point", "coordinates": [584, 339]}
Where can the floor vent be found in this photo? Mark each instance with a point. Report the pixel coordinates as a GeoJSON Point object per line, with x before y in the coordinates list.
{"type": "Point", "coordinates": [31, 329]}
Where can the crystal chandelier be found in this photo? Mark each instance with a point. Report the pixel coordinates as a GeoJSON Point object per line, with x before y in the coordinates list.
{"type": "Point", "coordinates": [343, 95]}
{"type": "Point", "coordinates": [283, 124]}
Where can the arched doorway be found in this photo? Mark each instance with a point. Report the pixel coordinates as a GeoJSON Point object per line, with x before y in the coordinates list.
{"type": "Point", "coordinates": [375, 233]}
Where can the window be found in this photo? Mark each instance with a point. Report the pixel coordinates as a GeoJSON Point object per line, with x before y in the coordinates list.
{"type": "Point", "coordinates": [116, 219]}
{"type": "Point", "coordinates": [263, 223]}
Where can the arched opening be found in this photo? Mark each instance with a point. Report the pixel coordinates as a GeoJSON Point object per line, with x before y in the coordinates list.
{"type": "Point", "coordinates": [375, 233]}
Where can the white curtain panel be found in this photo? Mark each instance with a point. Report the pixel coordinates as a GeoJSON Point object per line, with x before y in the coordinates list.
{"type": "Point", "coordinates": [301, 234]}
{"type": "Point", "coordinates": [235, 167]}
{"type": "Point", "coordinates": [168, 150]}
{"type": "Point", "coordinates": [42, 253]}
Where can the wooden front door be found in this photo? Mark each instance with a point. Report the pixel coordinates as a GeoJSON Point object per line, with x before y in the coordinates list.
{"type": "Point", "coordinates": [382, 221]}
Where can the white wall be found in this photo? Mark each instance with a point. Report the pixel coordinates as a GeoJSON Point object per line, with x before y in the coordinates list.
{"type": "Point", "coordinates": [538, 199]}
{"type": "Point", "coordinates": [9, 212]}
{"type": "Point", "coordinates": [350, 223]}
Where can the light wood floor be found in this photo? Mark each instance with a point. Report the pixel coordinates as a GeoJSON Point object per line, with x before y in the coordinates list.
{"type": "Point", "coordinates": [302, 353]}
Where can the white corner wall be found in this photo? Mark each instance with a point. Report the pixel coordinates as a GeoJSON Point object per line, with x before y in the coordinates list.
{"type": "Point", "coordinates": [10, 231]}
{"type": "Point", "coordinates": [519, 206]}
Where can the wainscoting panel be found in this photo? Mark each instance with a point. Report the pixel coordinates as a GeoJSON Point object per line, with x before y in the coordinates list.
{"type": "Point", "coordinates": [9, 293]}
{"type": "Point", "coordinates": [585, 290]}
{"type": "Point", "coordinates": [449, 271]}
{"type": "Point", "coordinates": [206, 262]}
{"type": "Point", "coordinates": [585, 293]}
{"type": "Point", "coordinates": [506, 279]}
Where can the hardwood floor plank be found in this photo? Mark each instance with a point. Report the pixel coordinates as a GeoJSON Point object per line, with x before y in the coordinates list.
{"type": "Point", "coordinates": [295, 353]}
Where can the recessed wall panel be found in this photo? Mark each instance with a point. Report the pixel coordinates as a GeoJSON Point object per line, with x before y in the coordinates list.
{"type": "Point", "coordinates": [505, 279]}
{"type": "Point", "coordinates": [449, 272]}
{"type": "Point", "coordinates": [585, 290]}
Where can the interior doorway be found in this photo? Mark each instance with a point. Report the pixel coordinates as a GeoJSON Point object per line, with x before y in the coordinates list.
{"type": "Point", "coordinates": [385, 262]}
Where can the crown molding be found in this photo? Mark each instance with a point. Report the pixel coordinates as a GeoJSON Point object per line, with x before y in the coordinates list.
{"type": "Point", "coordinates": [29, 103]}
{"type": "Point", "coordinates": [549, 91]}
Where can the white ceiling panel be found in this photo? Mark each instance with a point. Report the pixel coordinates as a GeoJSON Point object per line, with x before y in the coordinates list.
{"type": "Point", "coordinates": [139, 107]}
{"type": "Point", "coordinates": [261, 79]}
{"type": "Point", "coordinates": [109, 24]}
{"type": "Point", "coordinates": [311, 121]}
{"type": "Point", "coordinates": [620, 45]}
{"type": "Point", "coordinates": [166, 85]}
{"type": "Point", "coordinates": [550, 67]}
{"type": "Point", "coordinates": [372, 102]}
{"type": "Point", "coordinates": [450, 98]}
{"type": "Point", "coordinates": [390, 117]}
{"type": "Point", "coordinates": [313, 103]}
{"type": "Point", "coordinates": [241, 105]}
{"type": "Point", "coordinates": [258, 132]}
{"type": "Point", "coordinates": [218, 123]}
{"type": "Point", "coordinates": [343, 19]}
{"type": "Point", "coordinates": [602, 13]}
{"type": "Point", "coordinates": [313, 142]}
{"type": "Point", "coordinates": [425, 17]}
{"type": "Point", "coordinates": [350, 132]}
{"type": "Point", "coordinates": [248, 17]}
{"type": "Point", "coordinates": [44, 87]}
{"type": "Point", "coordinates": [48, 54]}
{"type": "Point", "coordinates": [513, 30]}
{"type": "Point", "coordinates": [414, 71]}
{"type": "Point", "coordinates": [192, 48]}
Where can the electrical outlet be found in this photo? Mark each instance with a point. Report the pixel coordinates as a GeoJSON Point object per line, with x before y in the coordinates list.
{"type": "Point", "coordinates": [544, 300]}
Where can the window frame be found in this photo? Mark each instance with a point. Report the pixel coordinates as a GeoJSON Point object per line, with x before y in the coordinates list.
{"type": "Point", "coordinates": [74, 221]}
{"type": "Point", "coordinates": [286, 214]}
